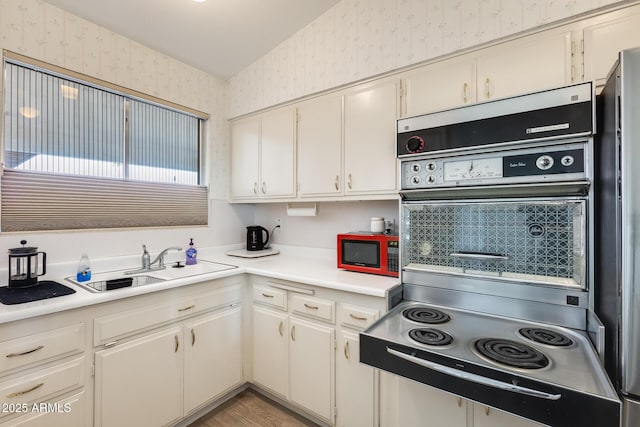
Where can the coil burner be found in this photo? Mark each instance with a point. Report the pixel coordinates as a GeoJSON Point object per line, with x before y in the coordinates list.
{"type": "Point", "coordinates": [511, 353]}
{"type": "Point", "coordinates": [426, 315]}
{"type": "Point", "coordinates": [546, 336]}
{"type": "Point", "coordinates": [430, 336]}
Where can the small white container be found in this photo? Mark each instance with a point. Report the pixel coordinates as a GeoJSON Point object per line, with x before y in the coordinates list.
{"type": "Point", "coordinates": [377, 225]}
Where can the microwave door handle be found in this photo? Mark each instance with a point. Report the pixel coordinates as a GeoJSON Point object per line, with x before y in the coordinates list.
{"type": "Point", "coordinates": [479, 255]}
{"type": "Point", "coordinates": [473, 377]}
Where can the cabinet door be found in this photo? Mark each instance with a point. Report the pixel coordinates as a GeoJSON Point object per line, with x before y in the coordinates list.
{"type": "Point", "coordinates": [370, 116]}
{"type": "Point", "coordinates": [270, 353]}
{"type": "Point", "coordinates": [311, 366]}
{"type": "Point", "coordinates": [320, 147]}
{"type": "Point", "coordinates": [277, 151]}
{"type": "Point", "coordinates": [213, 357]}
{"type": "Point", "coordinates": [140, 382]}
{"type": "Point", "coordinates": [419, 405]}
{"type": "Point", "coordinates": [483, 416]}
{"type": "Point", "coordinates": [355, 384]}
{"type": "Point", "coordinates": [604, 40]}
{"type": "Point", "coordinates": [541, 62]}
{"type": "Point", "coordinates": [245, 158]}
{"type": "Point", "coordinates": [440, 87]}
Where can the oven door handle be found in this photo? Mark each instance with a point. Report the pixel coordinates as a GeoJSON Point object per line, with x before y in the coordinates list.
{"type": "Point", "coordinates": [473, 377]}
{"type": "Point", "coordinates": [479, 255]}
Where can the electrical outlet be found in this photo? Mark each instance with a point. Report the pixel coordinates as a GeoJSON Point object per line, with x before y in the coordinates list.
{"type": "Point", "coordinates": [389, 225]}
{"type": "Point", "coordinates": [279, 223]}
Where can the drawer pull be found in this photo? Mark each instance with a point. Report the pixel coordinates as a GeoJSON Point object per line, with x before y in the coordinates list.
{"type": "Point", "coordinates": [187, 308]}
{"type": "Point", "coordinates": [311, 307]}
{"type": "Point", "coordinates": [346, 350]}
{"type": "Point", "coordinates": [193, 337]}
{"type": "Point", "coordinates": [280, 328]}
{"type": "Point", "coordinates": [293, 332]}
{"type": "Point", "coordinates": [267, 295]}
{"type": "Point", "coordinates": [40, 347]}
{"type": "Point", "coordinates": [177, 344]}
{"type": "Point", "coordinates": [354, 317]}
{"type": "Point", "coordinates": [20, 393]}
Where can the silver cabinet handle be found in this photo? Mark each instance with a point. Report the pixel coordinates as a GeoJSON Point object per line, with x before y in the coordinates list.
{"type": "Point", "coordinates": [479, 255]}
{"type": "Point", "coordinates": [177, 344]}
{"type": "Point", "coordinates": [293, 332]}
{"type": "Point", "coordinates": [187, 308]}
{"type": "Point", "coordinates": [459, 400]}
{"type": "Point", "coordinates": [267, 295]}
{"type": "Point", "coordinates": [478, 379]}
{"type": "Point", "coordinates": [346, 350]}
{"type": "Point", "coordinates": [487, 88]}
{"type": "Point", "coordinates": [21, 392]}
{"type": "Point", "coordinates": [486, 411]}
{"type": "Point", "coordinates": [255, 188]}
{"type": "Point", "coordinates": [349, 181]}
{"type": "Point", "coordinates": [40, 347]}
{"type": "Point", "coordinates": [354, 317]}
{"type": "Point", "coordinates": [337, 183]}
{"type": "Point", "coordinates": [280, 328]}
{"type": "Point", "coordinates": [464, 92]}
{"type": "Point", "coordinates": [311, 307]}
{"type": "Point", "coordinates": [264, 187]}
{"type": "Point", "coordinates": [193, 337]}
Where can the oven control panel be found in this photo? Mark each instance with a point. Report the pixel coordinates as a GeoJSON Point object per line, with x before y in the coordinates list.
{"type": "Point", "coordinates": [515, 166]}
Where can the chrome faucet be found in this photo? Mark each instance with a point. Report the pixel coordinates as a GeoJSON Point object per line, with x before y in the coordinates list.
{"type": "Point", "coordinates": [147, 264]}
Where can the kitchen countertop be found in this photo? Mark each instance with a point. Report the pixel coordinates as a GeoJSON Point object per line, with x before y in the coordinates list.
{"type": "Point", "coordinates": [310, 266]}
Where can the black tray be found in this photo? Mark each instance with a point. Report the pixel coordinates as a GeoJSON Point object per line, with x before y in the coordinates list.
{"type": "Point", "coordinates": [45, 289]}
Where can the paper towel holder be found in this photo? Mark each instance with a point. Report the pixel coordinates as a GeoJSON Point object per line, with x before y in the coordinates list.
{"type": "Point", "coordinates": [302, 209]}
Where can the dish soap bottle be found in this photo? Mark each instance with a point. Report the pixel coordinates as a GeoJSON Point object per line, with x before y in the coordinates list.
{"type": "Point", "coordinates": [84, 268]}
{"type": "Point", "coordinates": [192, 253]}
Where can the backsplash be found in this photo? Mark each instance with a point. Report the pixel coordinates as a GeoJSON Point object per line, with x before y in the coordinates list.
{"type": "Point", "coordinates": [358, 39]}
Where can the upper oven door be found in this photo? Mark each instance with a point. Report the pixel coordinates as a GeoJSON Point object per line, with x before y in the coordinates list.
{"type": "Point", "coordinates": [519, 241]}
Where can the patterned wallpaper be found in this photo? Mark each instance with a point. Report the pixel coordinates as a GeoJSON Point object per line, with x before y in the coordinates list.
{"type": "Point", "coordinates": [42, 31]}
{"type": "Point", "coordinates": [357, 39]}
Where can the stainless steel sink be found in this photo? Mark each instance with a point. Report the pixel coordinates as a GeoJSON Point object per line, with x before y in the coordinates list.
{"type": "Point", "coordinates": [114, 283]}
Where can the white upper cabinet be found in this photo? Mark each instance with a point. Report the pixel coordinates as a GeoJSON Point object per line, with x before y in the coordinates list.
{"type": "Point", "coordinates": [608, 35]}
{"type": "Point", "coordinates": [320, 147]}
{"type": "Point", "coordinates": [441, 86]}
{"type": "Point", "coordinates": [526, 65]}
{"type": "Point", "coordinates": [370, 114]}
{"type": "Point", "coordinates": [263, 156]}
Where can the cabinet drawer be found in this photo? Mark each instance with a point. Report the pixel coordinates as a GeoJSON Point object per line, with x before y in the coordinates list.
{"type": "Point", "coordinates": [356, 316]}
{"type": "Point", "coordinates": [32, 349]}
{"type": "Point", "coordinates": [315, 307]}
{"type": "Point", "coordinates": [270, 296]}
{"type": "Point", "coordinates": [119, 325]}
{"type": "Point", "coordinates": [42, 384]}
{"type": "Point", "coordinates": [69, 412]}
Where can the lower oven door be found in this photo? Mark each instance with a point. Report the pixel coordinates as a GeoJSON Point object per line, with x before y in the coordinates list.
{"type": "Point", "coordinates": [533, 241]}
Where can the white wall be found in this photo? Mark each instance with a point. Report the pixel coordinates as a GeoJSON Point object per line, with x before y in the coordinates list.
{"type": "Point", "coordinates": [41, 31]}
{"type": "Point", "coordinates": [357, 39]}
{"type": "Point", "coordinates": [320, 231]}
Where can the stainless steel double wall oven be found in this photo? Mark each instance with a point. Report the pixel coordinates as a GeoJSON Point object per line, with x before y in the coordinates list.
{"type": "Point", "coordinates": [497, 259]}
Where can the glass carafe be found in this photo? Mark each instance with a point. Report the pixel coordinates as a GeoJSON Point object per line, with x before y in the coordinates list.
{"type": "Point", "coordinates": [24, 266]}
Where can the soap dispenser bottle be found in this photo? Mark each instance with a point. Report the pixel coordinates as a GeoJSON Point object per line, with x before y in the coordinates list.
{"type": "Point", "coordinates": [191, 253]}
{"type": "Point", "coordinates": [84, 268]}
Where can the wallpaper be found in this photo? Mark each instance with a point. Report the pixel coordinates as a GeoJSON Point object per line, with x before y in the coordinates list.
{"type": "Point", "coordinates": [39, 30]}
{"type": "Point", "coordinates": [357, 39]}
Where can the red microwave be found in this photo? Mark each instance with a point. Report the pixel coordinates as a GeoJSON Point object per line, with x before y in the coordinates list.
{"type": "Point", "coordinates": [369, 253]}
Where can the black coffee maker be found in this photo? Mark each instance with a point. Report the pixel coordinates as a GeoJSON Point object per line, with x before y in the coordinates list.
{"type": "Point", "coordinates": [23, 266]}
{"type": "Point", "coordinates": [256, 240]}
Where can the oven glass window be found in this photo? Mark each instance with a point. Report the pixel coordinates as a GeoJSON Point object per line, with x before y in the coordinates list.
{"type": "Point", "coordinates": [361, 253]}
{"type": "Point", "coordinates": [532, 241]}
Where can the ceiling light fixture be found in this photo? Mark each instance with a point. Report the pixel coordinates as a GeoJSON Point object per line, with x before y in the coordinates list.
{"type": "Point", "coordinates": [199, 1]}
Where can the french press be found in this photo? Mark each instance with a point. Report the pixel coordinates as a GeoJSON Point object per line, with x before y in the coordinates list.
{"type": "Point", "coordinates": [23, 266]}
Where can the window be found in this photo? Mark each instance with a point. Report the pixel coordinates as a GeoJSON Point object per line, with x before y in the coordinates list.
{"type": "Point", "coordinates": [81, 155]}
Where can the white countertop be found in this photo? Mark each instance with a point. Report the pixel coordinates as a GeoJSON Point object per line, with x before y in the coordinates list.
{"type": "Point", "coordinates": [315, 267]}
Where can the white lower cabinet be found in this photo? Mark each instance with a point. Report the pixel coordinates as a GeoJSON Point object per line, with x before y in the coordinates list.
{"type": "Point", "coordinates": [270, 350]}
{"type": "Point", "coordinates": [140, 382]}
{"type": "Point", "coordinates": [213, 357]}
{"type": "Point", "coordinates": [68, 412]}
{"type": "Point", "coordinates": [356, 385]}
{"type": "Point", "coordinates": [311, 366]}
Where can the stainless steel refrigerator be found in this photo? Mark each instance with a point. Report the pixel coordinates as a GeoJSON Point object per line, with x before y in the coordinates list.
{"type": "Point", "coordinates": [617, 244]}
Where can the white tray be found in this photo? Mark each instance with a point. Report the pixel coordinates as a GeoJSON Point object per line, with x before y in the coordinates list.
{"type": "Point", "coordinates": [243, 253]}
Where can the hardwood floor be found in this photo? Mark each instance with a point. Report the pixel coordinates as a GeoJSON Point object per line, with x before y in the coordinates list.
{"type": "Point", "coordinates": [251, 409]}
